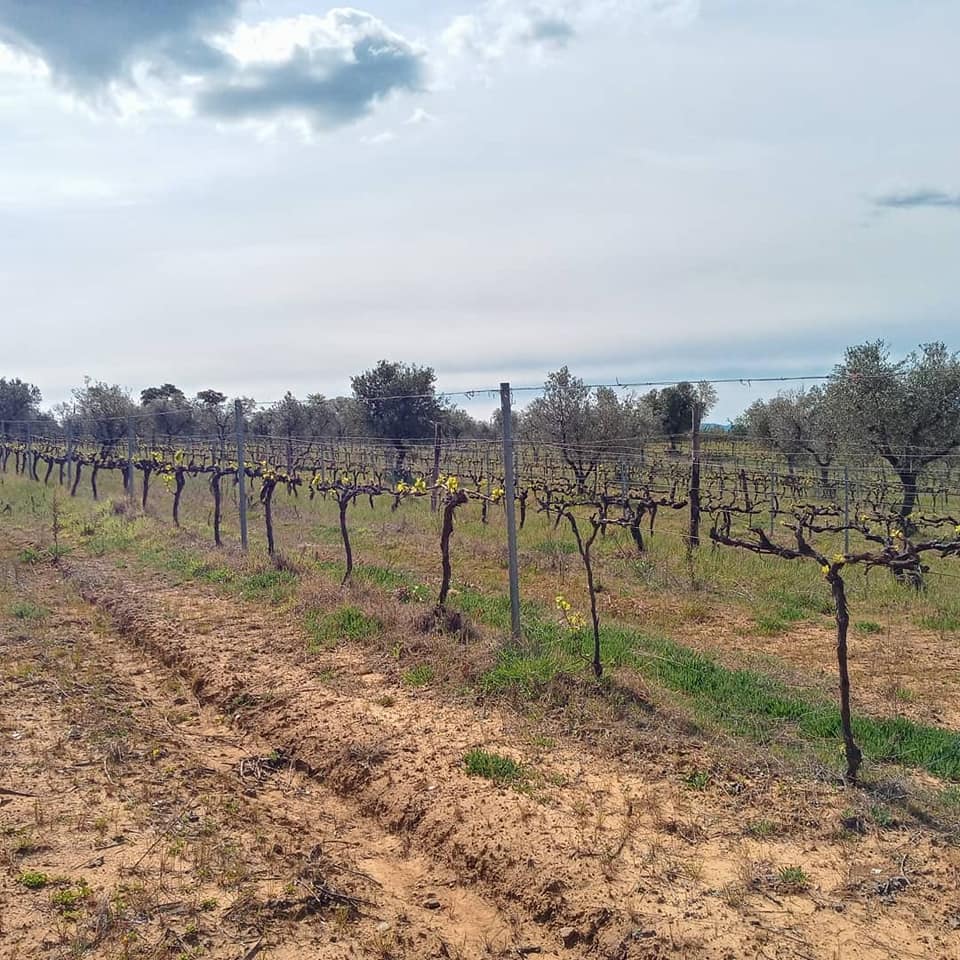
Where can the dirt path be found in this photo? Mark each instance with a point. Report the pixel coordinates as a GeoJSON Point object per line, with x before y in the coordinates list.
{"type": "Point", "coordinates": [138, 822]}
{"type": "Point", "coordinates": [662, 852]}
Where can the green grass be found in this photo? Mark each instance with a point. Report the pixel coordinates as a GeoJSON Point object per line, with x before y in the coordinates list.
{"type": "Point", "coordinates": [943, 621]}
{"type": "Point", "coordinates": [70, 898]}
{"type": "Point", "coordinates": [382, 576]}
{"type": "Point", "coordinates": [746, 702]}
{"type": "Point", "coordinates": [27, 610]}
{"type": "Point", "coordinates": [867, 627]}
{"type": "Point", "coordinates": [697, 780]}
{"type": "Point", "coordinates": [781, 607]}
{"type": "Point", "coordinates": [755, 705]}
{"type": "Point", "coordinates": [273, 586]}
{"type": "Point", "coordinates": [493, 766]}
{"type": "Point", "coordinates": [552, 546]}
{"type": "Point", "coordinates": [793, 879]}
{"type": "Point", "coordinates": [418, 676]}
{"type": "Point", "coordinates": [347, 622]}
{"type": "Point", "coordinates": [33, 879]}
{"type": "Point", "coordinates": [761, 829]}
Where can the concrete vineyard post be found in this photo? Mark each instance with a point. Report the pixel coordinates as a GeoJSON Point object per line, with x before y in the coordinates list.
{"type": "Point", "coordinates": [69, 455]}
{"type": "Point", "coordinates": [694, 536]}
{"type": "Point", "coordinates": [435, 476]}
{"type": "Point", "coordinates": [846, 509]}
{"type": "Point", "coordinates": [241, 472]}
{"type": "Point", "coordinates": [773, 499]}
{"type": "Point", "coordinates": [510, 494]}
{"type": "Point", "coordinates": [624, 489]}
{"type": "Point", "coordinates": [130, 454]}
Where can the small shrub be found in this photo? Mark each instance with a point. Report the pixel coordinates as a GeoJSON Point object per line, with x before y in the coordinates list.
{"type": "Point", "coordinates": [867, 626]}
{"type": "Point", "coordinates": [26, 610]}
{"type": "Point", "coordinates": [418, 676]}
{"type": "Point", "coordinates": [761, 829]}
{"type": "Point", "coordinates": [882, 816]}
{"type": "Point", "coordinates": [33, 879]}
{"type": "Point", "coordinates": [697, 780]}
{"type": "Point", "coordinates": [493, 766]}
{"type": "Point", "coordinates": [793, 879]}
{"type": "Point", "coordinates": [70, 898]}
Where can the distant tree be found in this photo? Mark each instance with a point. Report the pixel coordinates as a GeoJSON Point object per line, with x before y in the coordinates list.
{"type": "Point", "coordinates": [563, 415]}
{"type": "Point", "coordinates": [399, 402]}
{"type": "Point", "coordinates": [674, 407]}
{"type": "Point", "coordinates": [804, 424]}
{"type": "Point", "coordinates": [622, 421]}
{"type": "Point", "coordinates": [287, 418]}
{"type": "Point", "coordinates": [583, 423]}
{"type": "Point", "coordinates": [165, 392]}
{"type": "Point", "coordinates": [19, 400]}
{"type": "Point", "coordinates": [171, 414]}
{"type": "Point", "coordinates": [348, 418]}
{"type": "Point", "coordinates": [754, 422]}
{"type": "Point", "coordinates": [211, 398]}
{"type": "Point", "coordinates": [212, 414]}
{"type": "Point", "coordinates": [321, 415]}
{"type": "Point", "coordinates": [456, 422]}
{"type": "Point", "coordinates": [102, 409]}
{"type": "Point", "coordinates": [907, 411]}
{"type": "Point", "coordinates": [496, 422]}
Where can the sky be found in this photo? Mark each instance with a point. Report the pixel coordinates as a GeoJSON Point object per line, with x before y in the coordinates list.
{"type": "Point", "coordinates": [273, 195]}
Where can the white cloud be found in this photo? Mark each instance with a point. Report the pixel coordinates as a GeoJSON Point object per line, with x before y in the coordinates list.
{"type": "Point", "coordinates": [420, 116]}
{"type": "Point", "coordinates": [378, 139]}
{"type": "Point", "coordinates": [326, 70]}
{"type": "Point", "coordinates": [195, 57]}
{"type": "Point", "coordinates": [504, 26]}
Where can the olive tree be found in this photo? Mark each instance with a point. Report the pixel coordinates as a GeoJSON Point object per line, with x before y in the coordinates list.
{"type": "Point", "coordinates": [907, 411]}
{"type": "Point", "coordinates": [18, 400]}
{"type": "Point", "coordinates": [398, 402]}
{"type": "Point", "coordinates": [580, 421]}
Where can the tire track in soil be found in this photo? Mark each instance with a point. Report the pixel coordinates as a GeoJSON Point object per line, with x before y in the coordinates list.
{"type": "Point", "coordinates": [572, 865]}
{"type": "Point", "coordinates": [409, 905]}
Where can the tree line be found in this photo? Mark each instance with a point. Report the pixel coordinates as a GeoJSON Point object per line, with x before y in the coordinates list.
{"type": "Point", "coordinates": [904, 411]}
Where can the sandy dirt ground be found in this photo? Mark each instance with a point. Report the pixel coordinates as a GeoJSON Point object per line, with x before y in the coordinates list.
{"type": "Point", "coordinates": [180, 777]}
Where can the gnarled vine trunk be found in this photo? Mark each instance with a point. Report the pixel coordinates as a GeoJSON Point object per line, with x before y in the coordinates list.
{"type": "Point", "coordinates": [851, 750]}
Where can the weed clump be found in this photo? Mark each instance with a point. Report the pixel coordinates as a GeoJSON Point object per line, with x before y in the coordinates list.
{"type": "Point", "coordinates": [326, 630]}
{"type": "Point", "coordinates": [493, 766]}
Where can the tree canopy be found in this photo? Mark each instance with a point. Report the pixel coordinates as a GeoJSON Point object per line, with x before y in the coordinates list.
{"type": "Point", "coordinates": [19, 400]}
{"type": "Point", "coordinates": [907, 411]}
{"type": "Point", "coordinates": [398, 400]}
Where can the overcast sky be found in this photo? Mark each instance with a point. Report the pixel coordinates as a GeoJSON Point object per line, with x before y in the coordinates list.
{"type": "Point", "coordinates": [256, 196]}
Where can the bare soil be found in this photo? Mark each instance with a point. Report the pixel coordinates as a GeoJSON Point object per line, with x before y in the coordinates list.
{"type": "Point", "coordinates": [223, 792]}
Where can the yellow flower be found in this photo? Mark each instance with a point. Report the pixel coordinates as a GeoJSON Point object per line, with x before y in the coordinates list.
{"type": "Point", "coordinates": [825, 569]}
{"type": "Point", "coordinates": [956, 529]}
{"type": "Point", "coordinates": [419, 485]}
{"type": "Point", "coordinates": [402, 487]}
{"type": "Point", "coordinates": [497, 493]}
{"type": "Point", "coordinates": [839, 559]}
